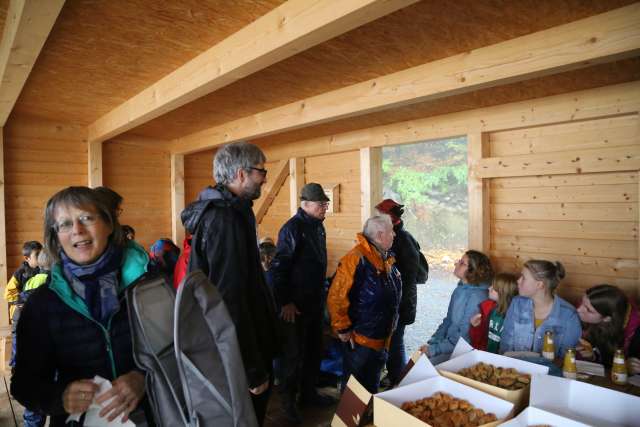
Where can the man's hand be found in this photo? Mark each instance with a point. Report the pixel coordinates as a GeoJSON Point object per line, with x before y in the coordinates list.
{"type": "Point", "coordinates": [260, 389]}
{"type": "Point", "coordinates": [289, 313]}
{"type": "Point", "coordinates": [125, 394]}
{"type": "Point", "coordinates": [634, 365]}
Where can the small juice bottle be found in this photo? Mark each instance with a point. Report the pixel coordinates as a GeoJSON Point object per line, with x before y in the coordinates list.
{"type": "Point", "coordinates": [619, 368]}
{"type": "Point", "coordinates": [569, 366]}
{"type": "Point", "coordinates": [548, 349]}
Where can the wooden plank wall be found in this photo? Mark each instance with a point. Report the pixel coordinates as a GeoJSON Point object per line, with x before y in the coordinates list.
{"type": "Point", "coordinates": [143, 177]}
{"type": "Point", "coordinates": [40, 158]}
{"type": "Point", "coordinates": [198, 174]}
{"type": "Point", "coordinates": [587, 221]}
{"type": "Point", "coordinates": [343, 169]}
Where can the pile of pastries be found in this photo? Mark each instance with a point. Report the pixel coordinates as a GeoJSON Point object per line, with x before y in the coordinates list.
{"type": "Point", "coordinates": [444, 410]}
{"type": "Point", "coordinates": [507, 378]}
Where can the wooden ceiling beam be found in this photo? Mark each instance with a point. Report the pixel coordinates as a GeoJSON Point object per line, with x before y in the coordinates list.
{"type": "Point", "coordinates": [27, 26]}
{"type": "Point", "coordinates": [291, 28]}
{"type": "Point", "coordinates": [600, 38]}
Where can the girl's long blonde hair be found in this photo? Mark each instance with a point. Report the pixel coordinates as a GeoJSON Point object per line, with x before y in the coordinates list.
{"type": "Point", "coordinates": [506, 285]}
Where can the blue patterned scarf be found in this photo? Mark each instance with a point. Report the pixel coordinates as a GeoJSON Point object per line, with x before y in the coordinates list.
{"type": "Point", "coordinates": [96, 283]}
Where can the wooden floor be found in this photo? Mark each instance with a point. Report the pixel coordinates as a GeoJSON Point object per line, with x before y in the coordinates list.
{"type": "Point", "coordinates": [312, 417]}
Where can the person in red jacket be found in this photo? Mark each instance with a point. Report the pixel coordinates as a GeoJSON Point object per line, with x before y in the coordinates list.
{"type": "Point", "coordinates": [486, 326]}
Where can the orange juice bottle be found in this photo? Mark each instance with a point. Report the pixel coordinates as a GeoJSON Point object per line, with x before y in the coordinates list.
{"type": "Point", "coordinates": [548, 349]}
{"type": "Point", "coordinates": [569, 366]}
{"type": "Point", "coordinates": [619, 368]}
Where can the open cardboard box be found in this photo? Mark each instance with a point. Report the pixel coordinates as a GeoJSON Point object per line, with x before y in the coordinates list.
{"type": "Point", "coordinates": [534, 416]}
{"type": "Point", "coordinates": [586, 403]}
{"type": "Point", "coordinates": [423, 380]}
{"type": "Point", "coordinates": [464, 356]}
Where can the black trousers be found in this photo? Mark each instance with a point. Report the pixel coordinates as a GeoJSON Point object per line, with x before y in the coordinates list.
{"type": "Point", "coordinates": [302, 354]}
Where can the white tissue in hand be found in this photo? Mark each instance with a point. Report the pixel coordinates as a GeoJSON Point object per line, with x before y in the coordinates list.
{"type": "Point", "coordinates": [93, 419]}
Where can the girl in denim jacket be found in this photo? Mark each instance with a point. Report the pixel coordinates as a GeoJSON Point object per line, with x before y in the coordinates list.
{"type": "Point", "coordinates": [538, 310]}
{"type": "Point", "coordinates": [475, 273]}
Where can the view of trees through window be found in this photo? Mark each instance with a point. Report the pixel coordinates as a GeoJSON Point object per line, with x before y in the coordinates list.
{"type": "Point", "coordinates": [430, 179]}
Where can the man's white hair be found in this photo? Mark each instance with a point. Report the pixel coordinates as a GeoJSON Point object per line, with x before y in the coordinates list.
{"type": "Point", "coordinates": [375, 224]}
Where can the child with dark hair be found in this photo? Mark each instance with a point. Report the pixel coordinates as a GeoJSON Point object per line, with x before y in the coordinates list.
{"type": "Point", "coordinates": [16, 294]}
{"type": "Point", "coordinates": [26, 271]}
{"type": "Point", "coordinates": [267, 253]}
{"type": "Point", "coordinates": [474, 272]}
{"type": "Point", "coordinates": [486, 326]}
{"type": "Point", "coordinates": [610, 319]}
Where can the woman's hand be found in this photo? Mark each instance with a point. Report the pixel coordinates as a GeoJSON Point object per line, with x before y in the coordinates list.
{"type": "Point", "coordinates": [475, 320]}
{"type": "Point", "coordinates": [127, 391]}
{"type": "Point", "coordinates": [425, 349]}
{"type": "Point", "coordinates": [585, 349]}
{"type": "Point", "coordinates": [78, 395]}
{"type": "Point", "coordinates": [634, 365]}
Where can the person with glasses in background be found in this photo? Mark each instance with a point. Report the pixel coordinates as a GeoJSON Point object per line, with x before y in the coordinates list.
{"type": "Point", "coordinates": [299, 274]}
{"type": "Point", "coordinates": [77, 326]}
{"type": "Point", "coordinates": [224, 247]}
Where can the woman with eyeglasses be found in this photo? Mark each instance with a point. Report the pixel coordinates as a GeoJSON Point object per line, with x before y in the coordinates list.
{"type": "Point", "coordinates": [474, 272]}
{"type": "Point", "coordinates": [77, 327]}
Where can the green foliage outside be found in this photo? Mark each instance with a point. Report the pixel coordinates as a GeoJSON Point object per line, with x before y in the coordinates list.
{"type": "Point", "coordinates": [430, 179]}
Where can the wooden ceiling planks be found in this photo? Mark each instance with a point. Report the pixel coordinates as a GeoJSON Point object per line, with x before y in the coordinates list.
{"type": "Point", "coordinates": [587, 78]}
{"type": "Point", "coordinates": [101, 53]}
{"type": "Point", "coordinates": [415, 35]}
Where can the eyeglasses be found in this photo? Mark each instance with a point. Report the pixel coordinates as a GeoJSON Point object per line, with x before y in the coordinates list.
{"type": "Point", "coordinates": [323, 204]}
{"type": "Point", "coordinates": [262, 171]}
{"type": "Point", "coordinates": [66, 226]}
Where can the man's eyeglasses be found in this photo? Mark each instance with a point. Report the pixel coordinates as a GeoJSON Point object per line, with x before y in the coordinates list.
{"type": "Point", "coordinates": [262, 171]}
{"type": "Point", "coordinates": [66, 226]}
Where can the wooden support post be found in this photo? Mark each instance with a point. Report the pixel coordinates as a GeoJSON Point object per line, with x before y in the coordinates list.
{"type": "Point", "coordinates": [370, 180]}
{"type": "Point", "coordinates": [94, 160]}
{"type": "Point", "coordinates": [296, 182]}
{"type": "Point", "coordinates": [177, 198]}
{"type": "Point", "coordinates": [271, 189]}
{"type": "Point", "coordinates": [479, 207]}
{"type": "Point", "coordinates": [4, 315]}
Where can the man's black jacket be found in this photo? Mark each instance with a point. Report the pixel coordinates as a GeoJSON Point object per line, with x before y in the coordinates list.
{"type": "Point", "coordinates": [405, 248]}
{"type": "Point", "coordinates": [300, 265]}
{"type": "Point", "coordinates": [225, 248]}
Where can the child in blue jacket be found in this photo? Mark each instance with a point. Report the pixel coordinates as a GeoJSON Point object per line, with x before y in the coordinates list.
{"type": "Point", "coordinates": [475, 273]}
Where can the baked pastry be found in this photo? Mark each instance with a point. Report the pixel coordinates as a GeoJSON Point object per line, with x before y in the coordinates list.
{"type": "Point", "coordinates": [507, 378]}
{"type": "Point", "coordinates": [443, 410]}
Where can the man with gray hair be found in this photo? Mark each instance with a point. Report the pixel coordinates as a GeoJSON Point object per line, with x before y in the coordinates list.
{"type": "Point", "coordinates": [225, 248]}
{"type": "Point", "coordinates": [299, 274]}
{"type": "Point", "coordinates": [363, 302]}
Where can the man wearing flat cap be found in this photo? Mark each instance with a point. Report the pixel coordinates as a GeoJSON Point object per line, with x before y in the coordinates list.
{"type": "Point", "coordinates": [299, 273]}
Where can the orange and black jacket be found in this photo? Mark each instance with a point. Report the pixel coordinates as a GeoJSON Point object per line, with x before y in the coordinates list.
{"type": "Point", "coordinates": [365, 295]}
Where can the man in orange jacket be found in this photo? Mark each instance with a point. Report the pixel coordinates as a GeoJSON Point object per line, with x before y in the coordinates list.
{"type": "Point", "coordinates": [363, 302]}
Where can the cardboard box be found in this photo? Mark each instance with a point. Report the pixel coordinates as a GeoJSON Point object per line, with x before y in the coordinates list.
{"type": "Point", "coordinates": [423, 381]}
{"type": "Point", "coordinates": [465, 356]}
{"type": "Point", "coordinates": [534, 416]}
{"type": "Point", "coordinates": [586, 403]}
